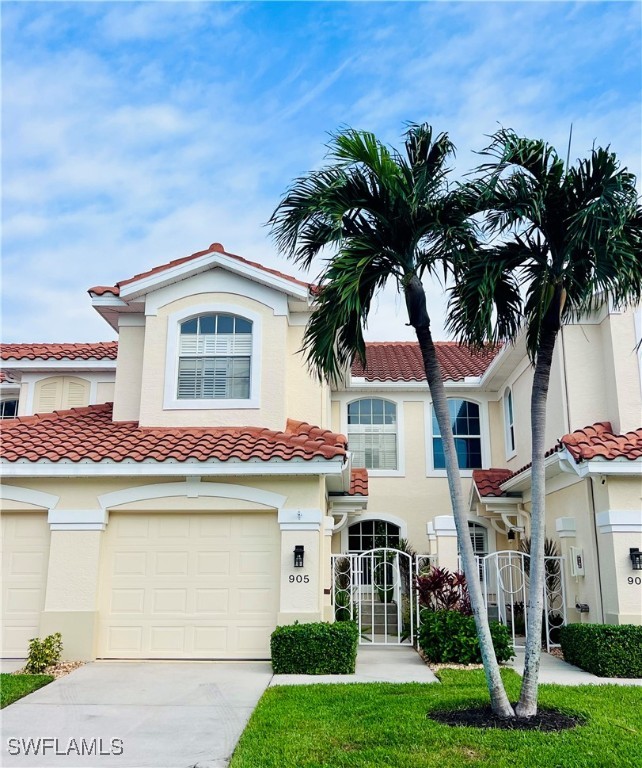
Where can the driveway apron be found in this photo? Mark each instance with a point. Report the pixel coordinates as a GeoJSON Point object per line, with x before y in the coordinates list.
{"type": "Point", "coordinates": [138, 715]}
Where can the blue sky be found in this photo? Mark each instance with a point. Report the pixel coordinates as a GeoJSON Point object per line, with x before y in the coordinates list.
{"type": "Point", "coordinates": [136, 133]}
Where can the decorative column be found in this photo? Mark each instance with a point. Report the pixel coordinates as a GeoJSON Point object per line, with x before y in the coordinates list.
{"type": "Point", "coordinates": [301, 597]}
{"type": "Point", "coordinates": [446, 538]}
{"type": "Point", "coordinates": [71, 600]}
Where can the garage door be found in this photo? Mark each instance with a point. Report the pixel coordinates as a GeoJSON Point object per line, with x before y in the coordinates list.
{"type": "Point", "coordinates": [25, 556]}
{"type": "Point", "coordinates": [191, 586]}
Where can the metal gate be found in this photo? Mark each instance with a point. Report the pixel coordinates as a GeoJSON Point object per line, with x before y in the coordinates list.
{"type": "Point", "coordinates": [505, 584]}
{"type": "Point", "coordinates": [375, 589]}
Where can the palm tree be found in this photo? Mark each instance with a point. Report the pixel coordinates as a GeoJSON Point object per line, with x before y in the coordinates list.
{"type": "Point", "coordinates": [381, 216]}
{"type": "Point", "coordinates": [570, 239]}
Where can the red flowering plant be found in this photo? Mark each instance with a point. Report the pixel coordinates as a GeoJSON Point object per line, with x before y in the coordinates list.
{"type": "Point", "coordinates": [443, 590]}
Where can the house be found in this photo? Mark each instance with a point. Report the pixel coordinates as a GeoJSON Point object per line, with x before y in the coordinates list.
{"type": "Point", "coordinates": [180, 492]}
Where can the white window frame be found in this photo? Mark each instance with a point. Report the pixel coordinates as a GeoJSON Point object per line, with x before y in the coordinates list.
{"type": "Point", "coordinates": [484, 436]}
{"type": "Point", "coordinates": [383, 517]}
{"type": "Point", "coordinates": [9, 399]}
{"type": "Point", "coordinates": [398, 403]}
{"type": "Point", "coordinates": [171, 400]}
{"type": "Point", "coordinates": [509, 426]}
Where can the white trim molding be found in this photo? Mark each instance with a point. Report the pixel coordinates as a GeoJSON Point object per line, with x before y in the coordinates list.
{"type": "Point", "coordinates": [192, 488]}
{"type": "Point", "coordinates": [619, 521]}
{"type": "Point", "coordinates": [28, 496]}
{"type": "Point", "coordinates": [67, 468]}
{"type": "Point", "coordinates": [566, 527]}
{"type": "Point", "coordinates": [77, 519]}
{"type": "Point", "coordinates": [444, 526]}
{"type": "Point", "coordinates": [300, 519]}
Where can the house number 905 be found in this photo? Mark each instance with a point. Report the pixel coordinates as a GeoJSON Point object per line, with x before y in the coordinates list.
{"type": "Point", "coordinates": [635, 580]}
{"type": "Point", "coordinates": [299, 579]}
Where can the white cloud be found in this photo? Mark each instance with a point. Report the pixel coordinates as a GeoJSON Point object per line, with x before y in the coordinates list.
{"type": "Point", "coordinates": [139, 133]}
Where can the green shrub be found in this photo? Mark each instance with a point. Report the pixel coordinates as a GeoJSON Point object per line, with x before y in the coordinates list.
{"type": "Point", "coordinates": [43, 653]}
{"type": "Point", "coordinates": [605, 650]}
{"type": "Point", "coordinates": [451, 637]}
{"type": "Point", "coordinates": [315, 649]}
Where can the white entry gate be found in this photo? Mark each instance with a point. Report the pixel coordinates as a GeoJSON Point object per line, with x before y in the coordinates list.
{"type": "Point", "coordinates": [505, 583]}
{"type": "Point", "coordinates": [376, 589]}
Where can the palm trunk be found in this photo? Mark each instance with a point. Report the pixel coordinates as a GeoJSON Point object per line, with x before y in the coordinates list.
{"type": "Point", "coordinates": [527, 705]}
{"type": "Point", "coordinates": [418, 315]}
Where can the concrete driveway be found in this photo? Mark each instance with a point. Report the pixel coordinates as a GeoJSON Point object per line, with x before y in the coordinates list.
{"type": "Point", "coordinates": [148, 715]}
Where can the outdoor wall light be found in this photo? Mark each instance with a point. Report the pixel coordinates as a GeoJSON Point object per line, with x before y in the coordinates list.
{"type": "Point", "coordinates": [636, 558]}
{"type": "Point", "coordinates": [299, 552]}
{"type": "Point", "coordinates": [511, 535]}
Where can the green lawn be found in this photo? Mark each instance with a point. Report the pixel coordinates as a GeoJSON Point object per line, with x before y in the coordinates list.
{"type": "Point", "coordinates": [14, 687]}
{"type": "Point", "coordinates": [376, 725]}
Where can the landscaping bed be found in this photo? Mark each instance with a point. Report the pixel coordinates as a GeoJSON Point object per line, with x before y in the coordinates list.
{"type": "Point", "coordinates": [381, 725]}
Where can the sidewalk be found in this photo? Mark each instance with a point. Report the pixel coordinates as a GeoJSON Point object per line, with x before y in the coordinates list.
{"type": "Point", "coordinates": [375, 664]}
{"type": "Point", "coordinates": [554, 670]}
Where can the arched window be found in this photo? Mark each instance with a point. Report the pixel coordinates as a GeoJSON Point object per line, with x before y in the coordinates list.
{"type": "Point", "coordinates": [372, 433]}
{"type": "Point", "coordinates": [215, 357]}
{"type": "Point", "coordinates": [8, 409]}
{"type": "Point", "coordinates": [372, 534]}
{"type": "Point", "coordinates": [464, 419]}
{"type": "Point", "coordinates": [509, 421]}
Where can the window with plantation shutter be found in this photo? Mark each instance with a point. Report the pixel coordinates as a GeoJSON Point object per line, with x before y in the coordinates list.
{"type": "Point", "coordinates": [372, 433]}
{"type": "Point", "coordinates": [215, 356]}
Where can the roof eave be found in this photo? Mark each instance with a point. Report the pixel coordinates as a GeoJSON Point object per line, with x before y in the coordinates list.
{"type": "Point", "coordinates": [137, 288]}
{"type": "Point", "coordinates": [317, 466]}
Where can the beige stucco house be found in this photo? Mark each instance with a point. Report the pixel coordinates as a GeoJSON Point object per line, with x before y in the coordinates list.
{"type": "Point", "coordinates": [156, 489]}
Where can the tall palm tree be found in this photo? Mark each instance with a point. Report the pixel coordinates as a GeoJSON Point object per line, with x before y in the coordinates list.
{"type": "Point", "coordinates": [568, 239]}
{"type": "Point", "coordinates": [379, 216]}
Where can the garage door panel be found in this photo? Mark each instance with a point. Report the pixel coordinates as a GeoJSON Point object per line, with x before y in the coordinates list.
{"type": "Point", "coordinates": [194, 596]}
{"type": "Point", "coordinates": [25, 558]}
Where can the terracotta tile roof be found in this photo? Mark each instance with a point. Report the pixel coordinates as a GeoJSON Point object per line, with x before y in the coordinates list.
{"type": "Point", "coordinates": [100, 290]}
{"type": "Point", "coordinates": [8, 377]}
{"type": "Point", "coordinates": [401, 361]}
{"type": "Point", "coordinates": [599, 441]}
{"type": "Point", "coordinates": [488, 481]}
{"type": "Point", "coordinates": [595, 441]}
{"type": "Point", "coordinates": [358, 482]}
{"type": "Point", "coordinates": [101, 350]}
{"type": "Point", "coordinates": [89, 434]}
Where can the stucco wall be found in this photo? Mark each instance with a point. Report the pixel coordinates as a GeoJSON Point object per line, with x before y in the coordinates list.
{"type": "Point", "coordinates": [129, 373]}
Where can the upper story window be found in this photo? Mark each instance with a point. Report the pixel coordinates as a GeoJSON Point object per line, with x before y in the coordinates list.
{"type": "Point", "coordinates": [8, 409]}
{"type": "Point", "coordinates": [509, 421]}
{"type": "Point", "coordinates": [372, 433]}
{"type": "Point", "coordinates": [466, 426]}
{"type": "Point", "coordinates": [215, 358]}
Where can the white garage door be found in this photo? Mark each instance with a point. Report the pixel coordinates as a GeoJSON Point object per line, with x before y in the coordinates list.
{"type": "Point", "coordinates": [25, 556]}
{"type": "Point", "coordinates": [191, 586]}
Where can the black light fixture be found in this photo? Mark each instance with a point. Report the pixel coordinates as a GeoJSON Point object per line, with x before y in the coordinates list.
{"type": "Point", "coordinates": [299, 552]}
{"type": "Point", "coordinates": [511, 535]}
{"type": "Point", "coordinates": [636, 558]}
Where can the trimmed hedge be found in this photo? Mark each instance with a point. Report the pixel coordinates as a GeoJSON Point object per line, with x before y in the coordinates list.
{"type": "Point", "coordinates": [606, 650]}
{"type": "Point", "coordinates": [315, 649]}
{"type": "Point", "coordinates": [451, 637]}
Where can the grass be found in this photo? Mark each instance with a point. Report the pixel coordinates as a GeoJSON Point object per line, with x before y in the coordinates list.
{"type": "Point", "coordinates": [14, 687]}
{"type": "Point", "coordinates": [381, 725]}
